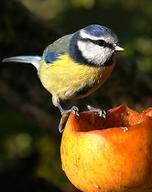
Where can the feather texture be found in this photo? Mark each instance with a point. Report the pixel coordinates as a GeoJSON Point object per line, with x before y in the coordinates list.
{"type": "Point", "coordinates": [60, 45]}
{"type": "Point", "coordinates": [34, 60]}
{"type": "Point", "coordinates": [65, 78]}
{"type": "Point", "coordinates": [52, 56]}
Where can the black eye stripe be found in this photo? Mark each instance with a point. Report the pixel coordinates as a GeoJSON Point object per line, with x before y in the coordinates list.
{"type": "Point", "coordinates": [101, 43]}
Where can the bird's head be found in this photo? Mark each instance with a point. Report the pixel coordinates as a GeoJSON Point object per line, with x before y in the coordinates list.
{"type": "Point", "coordinates": [94, 45]}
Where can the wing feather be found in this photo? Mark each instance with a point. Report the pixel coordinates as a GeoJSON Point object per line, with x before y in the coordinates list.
{"type": "Point", "coordinates": [60, 45]}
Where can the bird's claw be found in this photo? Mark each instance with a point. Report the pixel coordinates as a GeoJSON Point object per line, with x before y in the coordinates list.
{"type": "Point", "coordinates": [65, 114]}
{"type": "Point", "coordinates": [125, 129]}
{"type": "Point", "coordinates": [101, 113]}
{"type": "Point", "coordinates": [75, 111]}
{"type": "Point", "coordinates": [63, 121]}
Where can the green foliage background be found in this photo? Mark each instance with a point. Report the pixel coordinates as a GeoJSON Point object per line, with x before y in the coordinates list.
{"type": "Point", "coordinates": [30, 153]}
{"type": "Point", "coordinates": [130, 19]}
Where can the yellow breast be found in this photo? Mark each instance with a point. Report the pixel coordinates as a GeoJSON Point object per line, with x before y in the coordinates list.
{"type": "Point", "coordinates": [64, 78]}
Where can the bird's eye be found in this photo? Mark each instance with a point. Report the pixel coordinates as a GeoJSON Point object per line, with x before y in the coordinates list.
{"type": "Point", "coordinates": [100, 42]}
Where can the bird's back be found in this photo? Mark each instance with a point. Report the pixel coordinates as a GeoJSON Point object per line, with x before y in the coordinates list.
{"type": "Point", "coordinates": [60, 45]}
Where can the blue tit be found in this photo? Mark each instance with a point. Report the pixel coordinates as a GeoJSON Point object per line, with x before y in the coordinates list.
{"type": "Point", "coordinates": [75, 65]}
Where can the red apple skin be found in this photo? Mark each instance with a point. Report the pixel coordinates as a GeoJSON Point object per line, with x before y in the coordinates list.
{"type": "Point", "coordinates": [109, 155]}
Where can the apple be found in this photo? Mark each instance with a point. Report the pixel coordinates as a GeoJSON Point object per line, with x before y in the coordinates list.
{"type": "Point", "coordinates": [109, 155]}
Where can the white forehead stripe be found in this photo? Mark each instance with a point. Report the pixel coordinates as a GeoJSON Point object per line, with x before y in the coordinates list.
{"type": "Point", "coordinates": [85, 35]}
{"type": "Point", "coordinates": [107, 39]}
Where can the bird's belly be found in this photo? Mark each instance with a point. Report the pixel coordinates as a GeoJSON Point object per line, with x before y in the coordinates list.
{"type": "Point", "coordinates": [70, 80]}
{"type": "Point", "coordinates": [91, 87]}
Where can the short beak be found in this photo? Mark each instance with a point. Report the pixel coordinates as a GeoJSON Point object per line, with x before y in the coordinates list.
{"type": "Point", "coordinates": [118, 48]}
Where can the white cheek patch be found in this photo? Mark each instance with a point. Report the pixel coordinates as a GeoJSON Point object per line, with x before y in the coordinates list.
{"type": "Point", "coordinates": [94, 53]}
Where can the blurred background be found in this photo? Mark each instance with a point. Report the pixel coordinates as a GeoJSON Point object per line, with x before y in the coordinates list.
{"type": "Point", "coordinates": [29, 137]}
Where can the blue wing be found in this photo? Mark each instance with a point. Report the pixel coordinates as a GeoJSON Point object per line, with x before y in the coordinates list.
{"type": "Point", "coordinates": [57, 48]}
{"type": "Point", "coordinates": [50, 57]}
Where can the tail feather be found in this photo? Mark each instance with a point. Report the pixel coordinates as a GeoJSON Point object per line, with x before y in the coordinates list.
{"type": "Point", "coordinates": [34, 60]}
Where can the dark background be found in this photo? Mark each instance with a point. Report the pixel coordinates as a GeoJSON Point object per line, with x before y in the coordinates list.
{"type": "Point", "coordinates": [29, 137]}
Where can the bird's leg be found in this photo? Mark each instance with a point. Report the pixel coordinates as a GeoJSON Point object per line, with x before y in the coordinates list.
{"type": "Point", "coordinates": [73, 109]}
{"type": "Point", "coordinates": [102, 113]}
{"type": "Point", "coordinates": [56, 102]}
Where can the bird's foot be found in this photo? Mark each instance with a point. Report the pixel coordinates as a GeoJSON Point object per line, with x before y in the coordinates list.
{"type": "Point", "coordinates": [101, 113]}
{"type": "Point", "coordinates": [73, 109]}
{"type": "Point", "coordinates": [65, 114]}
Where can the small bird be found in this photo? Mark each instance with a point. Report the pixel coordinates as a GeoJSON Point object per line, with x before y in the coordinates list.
{"type": "Point", "coordinates": [75, 65]}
